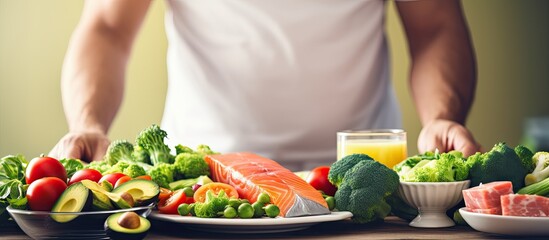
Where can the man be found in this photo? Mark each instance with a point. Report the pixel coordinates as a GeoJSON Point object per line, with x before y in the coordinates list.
{"type": "Point", "coordinates": [278, 78]}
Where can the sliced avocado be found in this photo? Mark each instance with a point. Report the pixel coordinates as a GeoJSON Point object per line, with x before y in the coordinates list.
{"type": "Point", "coordinates": [127, 226]}
{"type": "Point", "coordinates": [183, 183]}
{"type": "Point", "coordinates": [74, 199]}
{"type": "Point", "coordinates": [115, 198]}
{"type": "Point", "coordinates": [143, 191]}
{"type": "Point", "coordinates": [106, 185]}
{"type": "Point", "coordinates": [101, 202]}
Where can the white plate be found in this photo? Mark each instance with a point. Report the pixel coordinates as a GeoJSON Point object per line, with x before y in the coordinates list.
{"type": "Point", "coordinates": [254, 225]}
{"type": "Point", "coordinates": [509, 225]}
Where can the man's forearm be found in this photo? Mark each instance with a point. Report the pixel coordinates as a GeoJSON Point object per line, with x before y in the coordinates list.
{"type": "Point", "coordinates": [443, 75]}
{"type": "Point", "coordinates": [92, 80]}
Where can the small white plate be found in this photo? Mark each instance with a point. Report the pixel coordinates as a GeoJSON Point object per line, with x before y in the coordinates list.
{"type": "Point", "coordinates": [253, 225]}
{"type": "Point", "coordinates": [509, 225]}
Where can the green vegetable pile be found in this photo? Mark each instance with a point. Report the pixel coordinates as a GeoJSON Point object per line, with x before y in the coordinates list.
{"type": "Point", "coordinates": [221, 205]}
{"type": "Point", "coordinates": [151, 156]}
{"type": "Point", "coordinates": [12, 184]}
{"type": "Point", "coordinates": [364, 185]}
{"type": "Point", "coordinates": [433, 167]}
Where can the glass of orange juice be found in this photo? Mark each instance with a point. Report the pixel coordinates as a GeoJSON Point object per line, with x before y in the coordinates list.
{"type": "Point", "coordinates": [387, 146]}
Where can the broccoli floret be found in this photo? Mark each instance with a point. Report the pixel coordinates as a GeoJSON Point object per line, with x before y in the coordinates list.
{"type": "Point", "coordinates": [525, 156]}
{"type": "Point", "coordinates": [445, 167]}
{"type": "Point", "coordinates": [212, 206]}
{"type": "Point", "coordinates": [134, 170]}
{"type": "Point", "coordinates": [139, 154]}
{"type": "Point", "coordinates": [363, 187]}
{"type": "Point", "coordinates": [162, 174]}
{"type": "Point", "coordinates": [119, 167]}
{"type": "Point", "coordinates": [151, 140]}
{"type": "Point", "coordinates": [119, 150]}
{"type": "Point", "coordinates": [205, 149]}
{"type": "Point", "coordinates": [101, 166]}
{"type": "Point", "coordinates": [191, 165]}
{"type": "Point", "coordinates": [182, 149]}
{"type": "Point", "coordinates": [501, 163]}
{"type": "Point", "coordinates": [541, 171]}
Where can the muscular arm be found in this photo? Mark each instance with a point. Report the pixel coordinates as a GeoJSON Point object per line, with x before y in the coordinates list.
{"type": "Point", "coordinates": [92, 81]}
{"type": "Point", "coordinates": [443, 76]}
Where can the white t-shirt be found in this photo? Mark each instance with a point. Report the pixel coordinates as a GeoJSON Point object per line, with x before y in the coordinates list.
{"type": "Point", "coordinates": [277, 77]}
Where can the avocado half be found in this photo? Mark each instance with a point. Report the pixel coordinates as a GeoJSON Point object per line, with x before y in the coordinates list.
{"type": "Point", "coordinates": [115, 231]}
{"type": "Point", "coordinates": [143, 191]}
{"type": "Point", "coordinates": [74, 199]}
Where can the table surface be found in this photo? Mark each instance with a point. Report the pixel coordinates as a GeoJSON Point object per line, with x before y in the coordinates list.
{"type": "Point", "coordinates": [392, 228]}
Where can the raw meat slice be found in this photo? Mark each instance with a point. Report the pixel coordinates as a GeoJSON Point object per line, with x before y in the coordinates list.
{"type": "Point", "coordinates": [487, 196]}
{"type": "Point", "coordinates": [252, 174]}
{"type": "Point", "coordinates": [495, 211]}
{"type": "Point", "coordinates": [525, 205]}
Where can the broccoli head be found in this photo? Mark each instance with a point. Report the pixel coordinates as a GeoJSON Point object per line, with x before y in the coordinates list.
{"type": "Point", "coordinates": [101, 166]}
{"type": "Point", "coordinates": [119, 150]}
{"type": "Point", "coordinates": [541, 170]}
{"type": "Point", "coordinates": [182, 149]}
{"type": "Point", "coordinates": [139, 154]}
{"type": "Point", "coordinates": [363, 187]}
{"type": "Point", "coordinates": [212, 206]}
{"type": "Point", "coordinates": [151, 140]}
{"type": "Point", "coordinates": [445, 167]}
{"type": "Point", "coordinates": [525, 156]}
{"type": "Point", "coordinates": [162, 174]}
{"type": "Point", "coordinates": [205, 149]}
{"type": "Point", "coordinates": [134, 170]}
{"type": "Point", "coordinates": [191, 165]}
{"type": "Point", "coordinates": [501, 163]}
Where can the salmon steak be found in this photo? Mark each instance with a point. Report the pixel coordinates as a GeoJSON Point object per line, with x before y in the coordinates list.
{"type": "Point", "coordinates": [252, 175]}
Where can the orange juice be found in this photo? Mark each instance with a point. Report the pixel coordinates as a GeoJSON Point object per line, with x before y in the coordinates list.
{"type": "Point", "coordinates": [386, 151]}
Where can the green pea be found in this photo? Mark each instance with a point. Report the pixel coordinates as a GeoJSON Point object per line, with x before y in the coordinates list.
{"type": "Point", "coordinates": [245, 210]}
{"type": "Point", "coordinates": [331, 202]}
{"type": "Point", "coordinates": [229, 212]}
{"type": "Point", "coordinates": [263, 198]}
{"type": "Point", "coordinates": [191, 209]}
{"type": "Point", "coordinates": [272, 210]}
{"type": "Point", "coordinates": [188, 191]}
{"type": "Point", "coordinates": [258, 209]}
{"type": "Point", "coordinates": [234, 203]}
{"type": "Point", "coordinates": [183, 209]}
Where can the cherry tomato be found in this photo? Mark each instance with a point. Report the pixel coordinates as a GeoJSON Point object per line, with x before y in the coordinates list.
{"type": "Point", "coordinates": [164, 195]}
{"type": "Point", "coordinates": [216, 187]}
{"type": "Point", "coordinates": [90, 174]}
{"type": "Point", "coordinates": [44, 167]}
{"type": "Point", "coordinates": [44, 192]}
{"type": "Point", "coordinates": [112, 177]}
{"type": "Point", "coordinates": [318, 178]}
{"type": "Point", "coordinates": [121, 180]}
{"type": "Point", "coordinates": [145, 177]}
{"type": "Point", "coordinates": [170, 205]}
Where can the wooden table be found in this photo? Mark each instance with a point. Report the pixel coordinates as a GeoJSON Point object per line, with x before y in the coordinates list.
{"type": "Point", "coordinates": [392, 228]}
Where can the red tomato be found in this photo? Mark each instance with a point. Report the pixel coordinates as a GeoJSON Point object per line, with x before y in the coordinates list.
{"type": "Point", "coordinates": [189, 200]}
{"type": "Point", "coordinates": [145, 177]}
{"type": "Point", "coordinates": [318, 178]}
{"type": "Point", "coordinates": [170, 205]}
{"type": "Point", "coordinates": [121, 180]}
{"type": "Point", "coordinates": [90, 174]}
{"type": "Point", "coordinates": [112, 177]}
{"type": "Point", "coordinates": [45, 167]}
{"type": "Point", "coordinates": [44, 192]}
{"type": "Point", "coordinates": [164, 195]}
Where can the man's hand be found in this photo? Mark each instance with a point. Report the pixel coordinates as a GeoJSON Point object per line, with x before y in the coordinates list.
{"type": "Point", "coordinates": [86, 146]}
{"type": "Point", "coordinates": [445, 136]}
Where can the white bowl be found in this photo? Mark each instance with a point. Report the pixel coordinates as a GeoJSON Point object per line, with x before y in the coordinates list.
{"type": "Point", "coordinates": [432, 200]}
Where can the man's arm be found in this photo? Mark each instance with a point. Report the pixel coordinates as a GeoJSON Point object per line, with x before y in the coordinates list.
{"type": "Point", "coordinates": [92, 81]}
{"type": "Point", "coordinates": [443, 76]}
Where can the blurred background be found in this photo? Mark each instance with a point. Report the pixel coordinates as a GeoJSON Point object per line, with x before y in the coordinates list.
{"type": "Point", "coordinates": [511, 39]}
